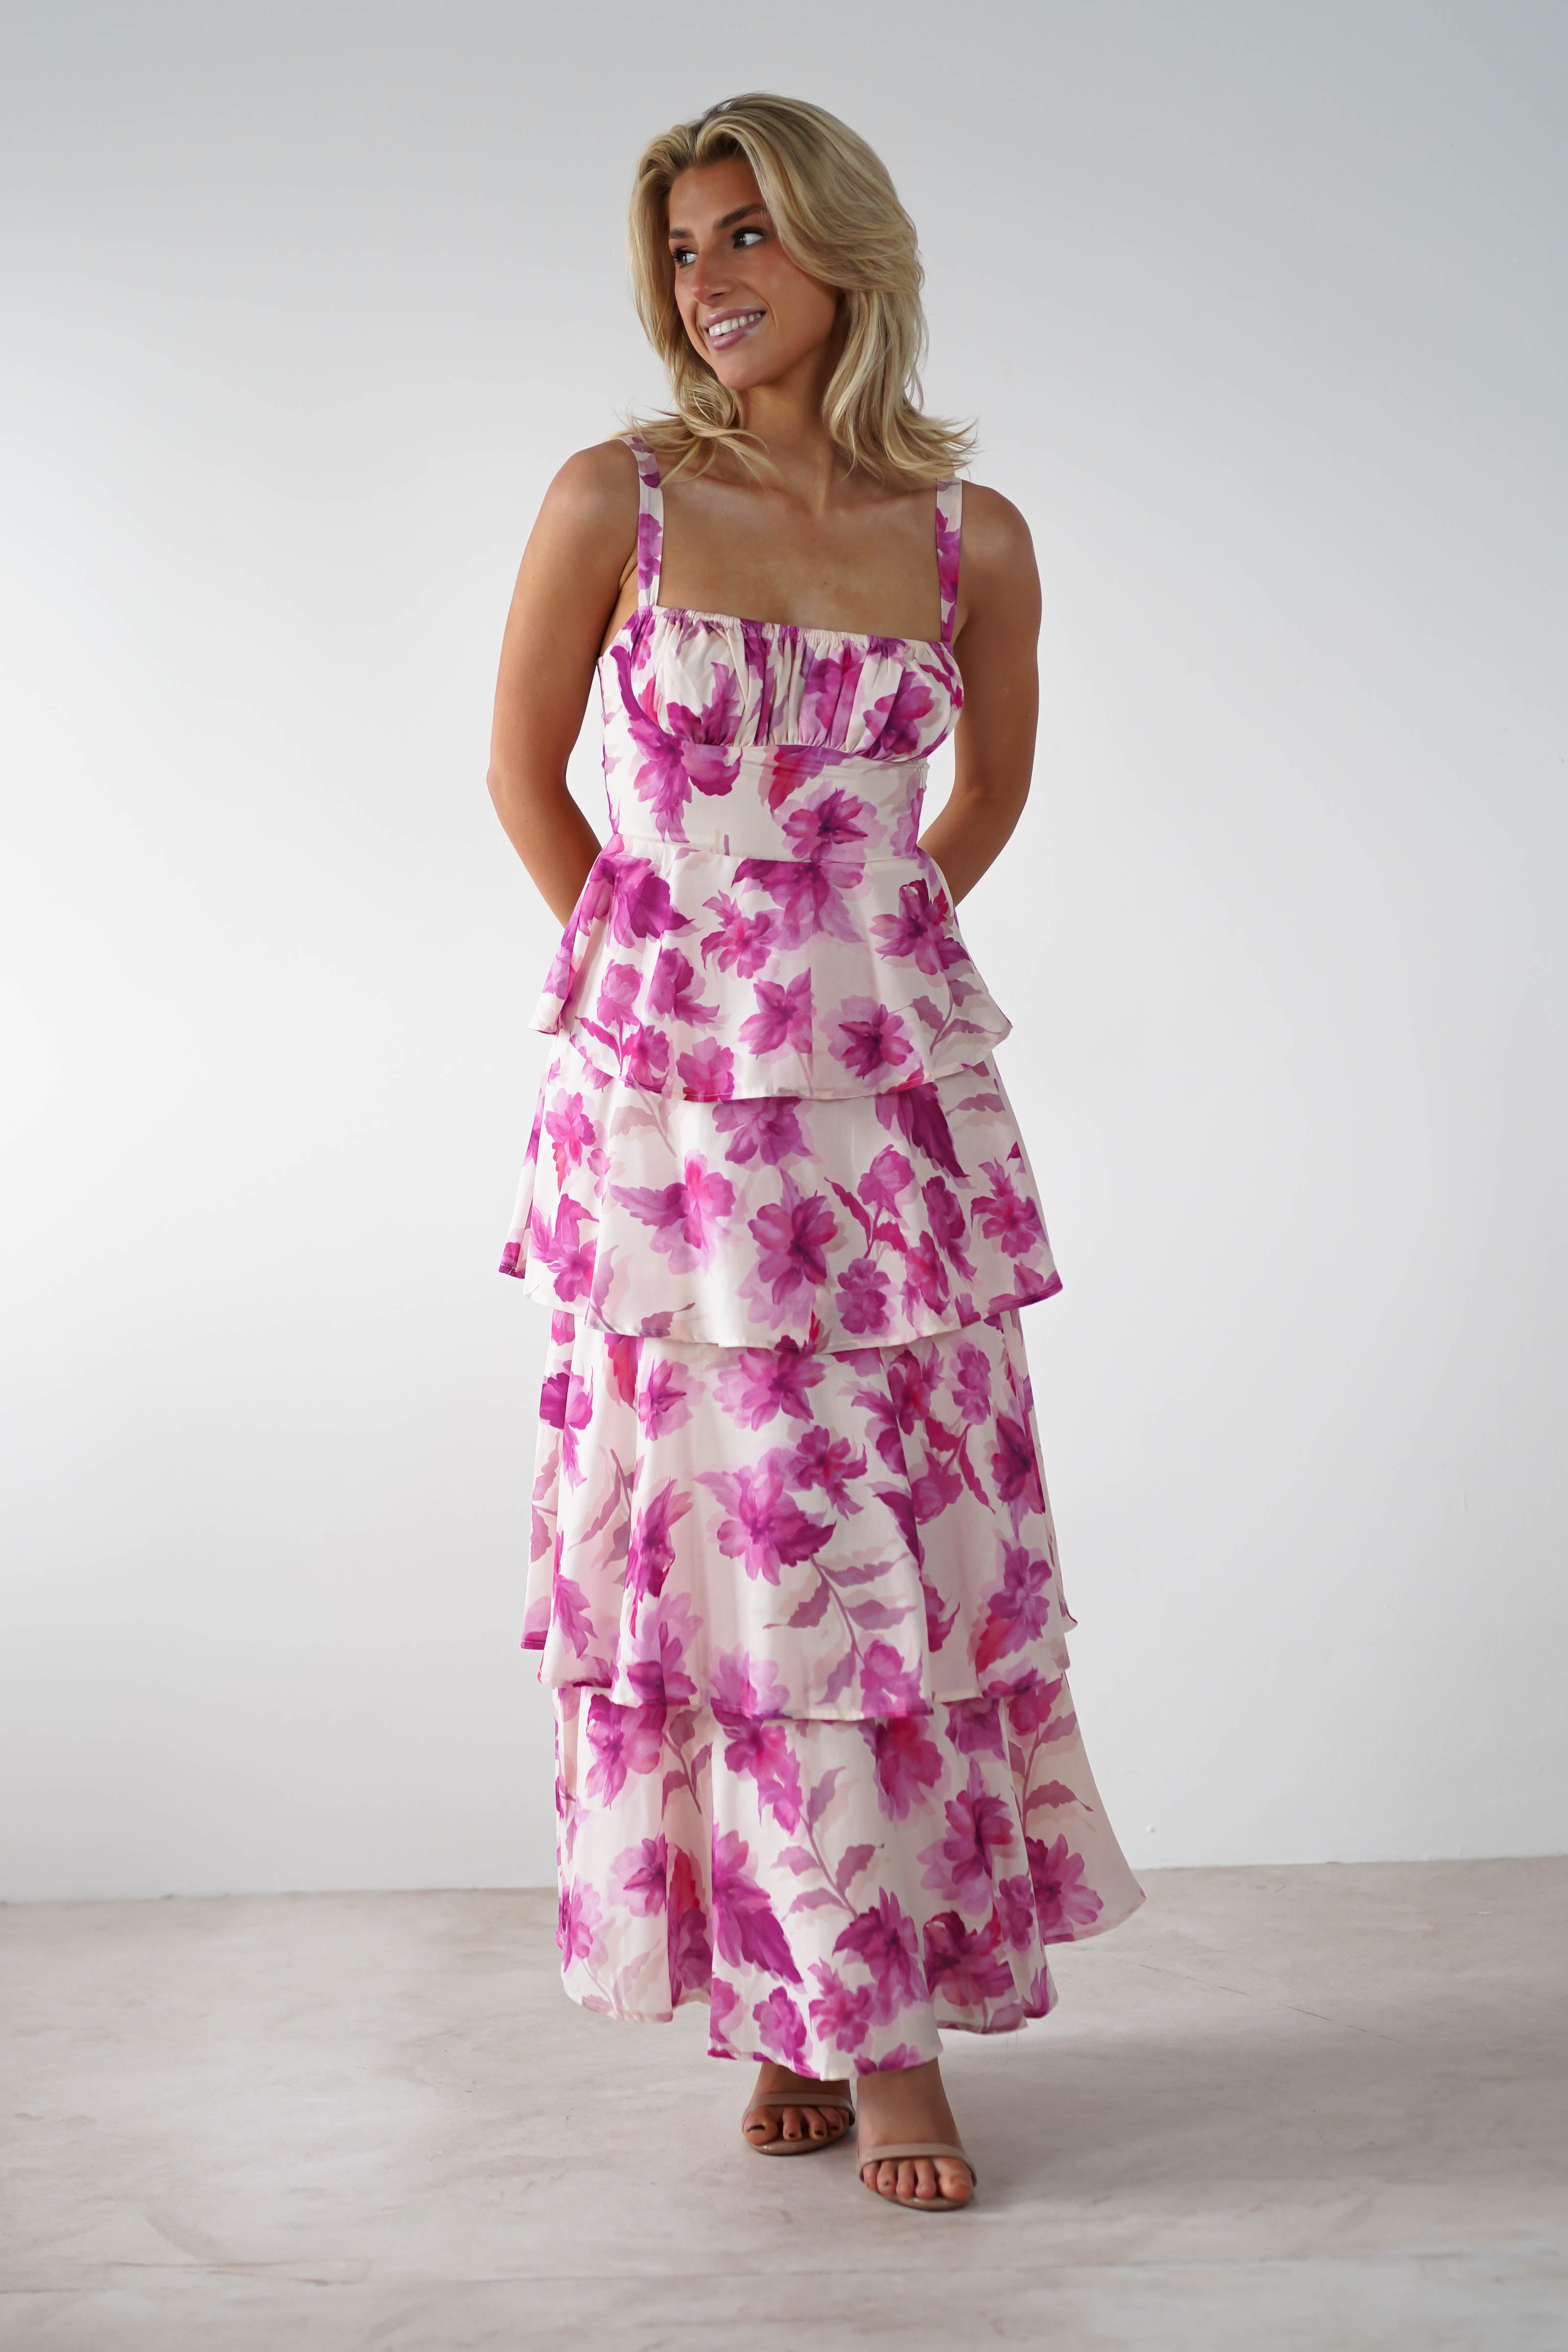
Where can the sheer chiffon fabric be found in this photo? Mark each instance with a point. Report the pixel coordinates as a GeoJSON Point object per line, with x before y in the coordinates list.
{"type": "Point", "coordinates": [794, 1578]}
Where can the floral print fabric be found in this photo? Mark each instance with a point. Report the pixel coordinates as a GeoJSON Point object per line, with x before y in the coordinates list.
{"type": "Point", "coordinates": [794, 1575]}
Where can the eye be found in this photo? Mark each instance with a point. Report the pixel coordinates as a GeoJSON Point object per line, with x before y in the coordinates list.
{"type": "Point", "coordinates": [682, 255]}
{"type": "Point", "coordinates": [744, 234]}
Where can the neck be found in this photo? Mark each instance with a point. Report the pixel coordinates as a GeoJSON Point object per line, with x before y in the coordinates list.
{"type": "Point", "coordinates": [786, 417]}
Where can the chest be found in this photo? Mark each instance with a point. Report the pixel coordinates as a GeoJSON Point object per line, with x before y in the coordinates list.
{"type": "Point", "coordinates": [869, 569]}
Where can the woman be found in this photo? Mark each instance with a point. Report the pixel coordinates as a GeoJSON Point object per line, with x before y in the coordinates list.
{"type": "Point", "coordinates": [794, 1579]}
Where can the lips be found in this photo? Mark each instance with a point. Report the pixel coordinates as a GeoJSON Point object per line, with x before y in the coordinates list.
{"type": "Point", "coordinates": [730, 327]}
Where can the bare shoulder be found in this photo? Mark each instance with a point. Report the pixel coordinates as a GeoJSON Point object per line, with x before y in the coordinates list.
{"type": "Point", "coordinates": [593, 501]}
{"type": "Point", "coordinates": [996, 541]}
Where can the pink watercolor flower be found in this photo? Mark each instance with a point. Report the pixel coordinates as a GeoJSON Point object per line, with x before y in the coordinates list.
{"type": "Point", "coordinates": [828, 1463]}
{"type": "Point", "coordinates": [979, 1827]}
{"type": "Point", "coordinates": [890, 1685]}
{"type": "Point", "coordinates": [650, 1553]}
{"type": "Point", "coordinates": [760, 1751]}
{"type": "Point", "coordinates": [761, 1382]}
{"type": "Point", "coordinates": [1062, 1901]}
{"type": "Point", "coordinates": [841, 2017]}
{"type": "Point", "coordinates": [707, 1072]}
{"type": "Point", "coordinates": [863, 1298]}
{"type": "Point", "coordinates": [1006, 1216]}
{"type": "Point", "coordinates": [884, 1938]}
{"type": "Point", "coordinates": [792, 1239]}
{"type": "Point", "coordinates": [762, 1528]}
{"type": "Point", "coordinates": [828, 827]}
{"type": "Point", "coordinates": [1017, 1613]}
{"type": "Point", "coordinates": [962, 1962]}
{"type": "Point", "coordinates": [740, 942]}
{"type": "Point", "coordinates": [673, 991]}
{"type": "Point", "coordinates": [874, 1039]}
{"type": "Point", "coordinates": [624, 1739]}
{"type": "Point", "coordinates": [685, 1216]}
{"type": "Point", "coordinates": [562, 1249]}
{"type": "Point", "coordinates": [782, 2029]}
{"type": "Point", "coordinates": [663, 1402]}
{"type": "Point", "coordinates": [765, 1128]}
{"type": "Point", "coordinates": [637, 1876]}
{"type": "Point", "coordinates": [971, 1384]}
{"type": "Point", "coordinates": [1013, 1465]}
{"type": "Point", "coordinates": [920, 930]}
{"type": "Point", "coordinates": [783, 1017]}
{"type": "Point", "coordinates": [740, 1685]}
{"type": "Point", "coordinates": [579, 1916]}
{"type": "Point", "coordinates": [908, 1763]}
{"type": "Point", "coordinates": [571, 1133]}
{"type": "Point", "coordinates": [889, 1175]}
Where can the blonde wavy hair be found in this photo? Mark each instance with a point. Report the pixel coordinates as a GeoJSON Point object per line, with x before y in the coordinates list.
{"type": "Point", "coordinates": [837, 217]}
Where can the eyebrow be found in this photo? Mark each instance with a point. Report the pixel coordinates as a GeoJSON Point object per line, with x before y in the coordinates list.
{"type": "Point", "coordinates": [729, 220]}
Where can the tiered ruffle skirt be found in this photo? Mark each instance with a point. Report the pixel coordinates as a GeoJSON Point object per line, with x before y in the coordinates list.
{"type": "Point", "coordinates": [795, 1581]}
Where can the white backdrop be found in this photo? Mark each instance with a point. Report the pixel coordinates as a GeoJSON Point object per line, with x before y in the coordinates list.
{"type": "Point", "coordinates": [1260, 307]}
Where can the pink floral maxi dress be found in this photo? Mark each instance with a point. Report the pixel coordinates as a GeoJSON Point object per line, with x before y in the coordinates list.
{"type": "Point", "coordinates": [793, 1580]}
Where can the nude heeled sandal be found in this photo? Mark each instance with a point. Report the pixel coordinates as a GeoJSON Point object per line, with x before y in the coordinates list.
{"type": "Point", "coordinates": [912, 2147]}
{"type": "Point", "coordinates": [805, 2145]}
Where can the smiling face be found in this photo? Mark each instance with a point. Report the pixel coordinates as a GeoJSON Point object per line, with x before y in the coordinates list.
{"type": "Point", "coordinates": [753, 312]}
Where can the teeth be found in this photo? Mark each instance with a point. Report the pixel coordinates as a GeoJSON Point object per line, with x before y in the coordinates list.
{"type": "Point", "coordinates": [726, 327]}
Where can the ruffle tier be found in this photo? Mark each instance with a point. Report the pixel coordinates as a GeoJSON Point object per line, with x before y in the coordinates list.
{"type": "Point", "coordinates": [836, 1892]}
{"type": "Point", "coordinates": [688, 970]}
{"type": "Point", "coordinates": [771, 1533]}
{"type": "Point", "coordinates": [874, 1220]}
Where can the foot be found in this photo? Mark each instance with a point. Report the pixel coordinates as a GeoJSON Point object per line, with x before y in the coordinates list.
{"type": "Point", "coordinates": [790, 2113]}
{"type": "Point", "coordinates": [905, 2102]}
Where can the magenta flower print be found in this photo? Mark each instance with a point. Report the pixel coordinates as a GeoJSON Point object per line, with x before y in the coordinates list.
{"type": "Point", "coordinates": [920, 930]}
{"type": "Point", "coordinates": [926, 1285]}
{"type": "Point", "coordinates": [841, 2017]}
{"type": "Point", "coordinates": [644, 1056]}
{"type": "Point", "coordinates": [872, 1040]}
{"type": "Point", "coordinates": [674, 992]}
{"type": "Point", "coordinates": [765, 1128]}
{"type": "Point", "coordinates": [707, 1072]}
{"type": "Point", "coordinates": [1013, 1465]}
{"type": "Point", "coordinates": [828, 1464]}
{"type": "Point", "coordinates": [1035, 1706]}
{"type": "Point", "coordinates": [763, 1382]}
{"type": "Point", "coordinates": [740, 942]}
{"type": "Point", "coordinates": [742, 1685]}
{"type": "Point", "coordinates": [579, 1916]}
{"type": "Point", "coordinates": [663, 1403]}
{"type": "Point", "coordinates": [884, 1938]}
{"type": "Point", "coordinates": [563, 1250]}
{"type": "Point", "coordinates": [863, 1298]}
{"type": "Point", "coordinates": [650, 1553]}
{"type": "Point", "coordinates": [792, 1239]}
{"type": "Point", "coordinates": [889, 1684]}
{"type": "Point", "coordinates": [979, 1826]}
{"type": "Point", "coordinates": [971, 1384]}
{"type": "Point", "coordinates": [744, 1926]}
{"type": "Point", "coordinates": [781, 2029]}
{"type": "Point", "coordinates": [762, 1528]}
{"type": "Point", "coordinates": [808, 896]}
{"type": "Point", "coordinates": [827, 827]}
{"type": "Point", "coordinates": [918, 1114]}
{"type": "Point", "coordinates": [573, 1134]}
{"type": "Point", "coordinates": [637, 1876]}
{"type": "Point", "coordinates": [899, 718]}
{"type": "Point", "coordinates": [685, 1216]}
{"type": "Point", "coordinates": [569, 1613]}
{"type": "Point", "coordinates": [687, 1954]}
{"type": "Point", "coordinates": [1018, 1614]}
{"type": "Point", "coordinates": [947, 1224]}
{"type": "Point", "coordinates": [760, 1751]}
{"type": "Point", "coordinates": [888, 1178]}
{"type": "Point", "coordinates": [908, 1763]}
{"type": "Point", "coordinates": [1015, 1910]}
{"type": "Point", "coordinates": [1063, 1901]}
{"type": "Point", "coordinates": [640, 904]}
{"type": "Point", "coordinates": [783, 1017]}
{"type": "Point", "coordinates": [1005, 1215]}
{"type": "Point", "coordinates": [962, 1962]}
{"type": "Point", "coordinates": [624, 1739]}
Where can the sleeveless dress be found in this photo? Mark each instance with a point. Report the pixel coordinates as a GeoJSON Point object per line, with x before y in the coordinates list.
{"type": "Point", "coordinates": [795, 1581]}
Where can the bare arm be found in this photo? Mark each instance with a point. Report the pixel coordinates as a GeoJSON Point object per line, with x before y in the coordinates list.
{"type": "Point", "coordinates": [573, 568]}
{"type": "Point", "coordinates": [999, 626]}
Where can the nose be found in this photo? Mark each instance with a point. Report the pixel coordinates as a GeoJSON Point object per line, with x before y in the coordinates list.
{"type": "Point", "coordinates": [708, 280]}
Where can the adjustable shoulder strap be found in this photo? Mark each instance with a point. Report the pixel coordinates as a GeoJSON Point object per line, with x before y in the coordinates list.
{"type": "Point", "coordinates": [949, 547]}
{"type": "Point", "coordinates": [650, 519]}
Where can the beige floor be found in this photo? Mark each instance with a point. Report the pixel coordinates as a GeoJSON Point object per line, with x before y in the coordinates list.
{"type": "Point", "coordinates": [1282, 2108]}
